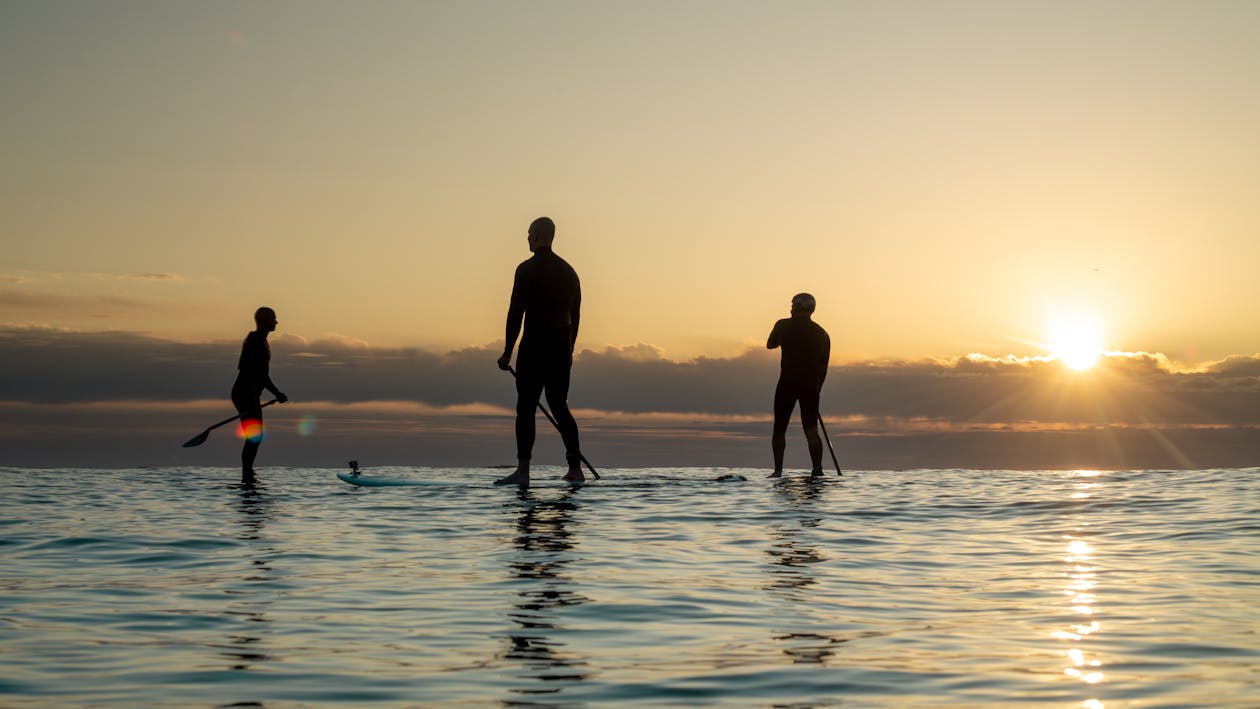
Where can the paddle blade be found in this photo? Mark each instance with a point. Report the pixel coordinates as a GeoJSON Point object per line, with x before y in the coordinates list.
{"type": "Point", "coordinates": [197, 439]}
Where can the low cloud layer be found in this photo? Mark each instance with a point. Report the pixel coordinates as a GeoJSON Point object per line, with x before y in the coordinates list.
{"type": "Point", "coordinates": [1133, 410]}
{"type": "Point", "coordinates": [97, 306]}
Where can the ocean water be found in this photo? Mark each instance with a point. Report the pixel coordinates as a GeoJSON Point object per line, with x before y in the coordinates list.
{"type": "Point", "coordinates": [663, 587]}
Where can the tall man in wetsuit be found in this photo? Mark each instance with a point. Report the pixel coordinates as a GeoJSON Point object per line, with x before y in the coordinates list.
{"type": "Point", "coordinates": [802, 371]}
{"type": "Point", "coordinates": [252, 378]}
{"type": "Point", "coordinates": [547, 295]}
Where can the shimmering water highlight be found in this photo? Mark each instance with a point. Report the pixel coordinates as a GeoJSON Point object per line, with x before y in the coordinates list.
{"type": "Point", "coordinates": [656, 587]}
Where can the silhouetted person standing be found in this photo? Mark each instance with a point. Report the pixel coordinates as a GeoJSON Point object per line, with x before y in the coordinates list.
{"type": "Point", "coordinates": [547, 296]}
{"type": "Point", "coordinates": [802, 371]}
{"type": "Point", "coordinates": [252, 378]}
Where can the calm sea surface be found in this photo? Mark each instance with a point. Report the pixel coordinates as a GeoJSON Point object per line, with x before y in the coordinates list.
{"type": "Point", "coordinates": [176, 587]}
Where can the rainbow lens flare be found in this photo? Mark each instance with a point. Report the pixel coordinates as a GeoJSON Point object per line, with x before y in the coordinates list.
{"type": "Point", "coordinates": [307, 425]}
{"type": "Point", "coordinates": [250, 430]}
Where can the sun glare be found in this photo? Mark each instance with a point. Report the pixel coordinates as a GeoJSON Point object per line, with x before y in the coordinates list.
{"type": "Point", "coordinates": [1076, 340]}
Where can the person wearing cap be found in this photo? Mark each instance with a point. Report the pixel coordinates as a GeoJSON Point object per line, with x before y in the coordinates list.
{"type": "Point", "coordinates": [806, 348]}
{"type": "Point", "coordinates": [547, 297]}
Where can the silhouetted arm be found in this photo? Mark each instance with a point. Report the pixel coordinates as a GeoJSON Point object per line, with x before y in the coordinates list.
{"type": "Point", "coordinates": [825, 356]}
{"type": "Point", "coordinates": [776, 335]}
{"type": "Point", "coordinates": [271, 387]}
{"type": "Point", "coordinates": [575, 316]}
{"type": "Point", "coordinates": [515, 316]}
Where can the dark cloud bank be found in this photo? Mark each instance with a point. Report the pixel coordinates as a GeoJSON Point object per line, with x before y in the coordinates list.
{"type": "Point", "coordinates": [69, 399]}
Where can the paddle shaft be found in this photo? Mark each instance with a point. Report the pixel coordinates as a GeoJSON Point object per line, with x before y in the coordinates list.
{"type": "Point", "coordinates": [829, 446]}
{"type": "Point", "coordinates": [557, 425]}
{"type": "Point", "coordinates": [201, 437]}
{"type": "Point", "coordinates": [224, 422]}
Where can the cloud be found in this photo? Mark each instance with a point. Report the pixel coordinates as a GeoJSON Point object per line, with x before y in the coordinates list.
{"type": "Point", "coordinates": [46, 293]}
{"type": "Point", "coordinates": [969, 411]}
{"type": "Point", "coordinates": [1236, 367]}
{"type": "Point", "coordinates": [82, 306]}
{"type": "Point", "coordinates": [49, 366]}
{"type": "Point", "coordinates": [22, 276]}
{"type": "Point", "coordinates": [168, 277]}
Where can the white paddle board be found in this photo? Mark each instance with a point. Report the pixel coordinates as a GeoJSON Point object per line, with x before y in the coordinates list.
{"type": "Point", "coordinates": [373, 481]}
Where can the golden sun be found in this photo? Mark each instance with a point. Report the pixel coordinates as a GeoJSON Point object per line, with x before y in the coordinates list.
{"type": "Point", "coordinates": [1076, 340]}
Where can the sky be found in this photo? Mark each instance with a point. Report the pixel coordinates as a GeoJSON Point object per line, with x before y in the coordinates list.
{"type": "Point", "coordinates": [952, 181]}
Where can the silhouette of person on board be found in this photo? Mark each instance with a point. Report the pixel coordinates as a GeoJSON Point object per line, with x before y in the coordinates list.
{"type": "Point", "coordinates": [547, 297]}
{"type": "Point", "coordinates": [806, 347]}
{"type": "Point", "coordinates": [252, 378]}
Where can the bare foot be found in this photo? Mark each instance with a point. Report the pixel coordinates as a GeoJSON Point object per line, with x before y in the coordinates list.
{"type": "Point", "coordinates": [816, 474]}
{"type": "Point", "coordinates": [520, 477]}
{"type": "Point", "coordinates": [775, 474]}
{"type": "Point", "coordinates": [574, 475]}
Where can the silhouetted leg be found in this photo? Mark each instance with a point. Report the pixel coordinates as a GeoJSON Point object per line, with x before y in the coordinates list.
{"type": "Point", "coordinates": [784, 401]}
{"type": "Point", "coordinates": [809, 422]}
{"type": "Point", "coordinates": [558, 400]}
{"type": "Point", "coordinates": [526, 410]}
{"type": "Point", "coordinates": [248, 453]}
{"type": "Point", "coordinates": [250, 423]}
{"type": "Point", "coordinates": [528, 388]}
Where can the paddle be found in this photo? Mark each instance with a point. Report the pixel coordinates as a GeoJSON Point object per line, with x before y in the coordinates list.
{"type": "Point", "coordinates": [201, 437]}
{"type": "Point", "coordinates": [557, 425]}
{"type": "Point", "coordinates": [829, 446]}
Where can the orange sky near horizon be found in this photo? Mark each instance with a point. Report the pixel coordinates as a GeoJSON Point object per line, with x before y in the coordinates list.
{"type": "Point", "coordinates": [945, 178]}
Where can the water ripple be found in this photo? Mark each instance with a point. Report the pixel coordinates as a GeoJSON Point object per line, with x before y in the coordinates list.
{"type": "Point", "coordinates": [659, 587]}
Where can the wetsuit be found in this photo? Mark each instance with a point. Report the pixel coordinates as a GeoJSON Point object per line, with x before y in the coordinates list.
{"type": "Point", "coordinates": [806, 348]}
{"type": "Point", "coordinates": [252, 376]}
{"type": "Point", "coordinates": [547, 295]}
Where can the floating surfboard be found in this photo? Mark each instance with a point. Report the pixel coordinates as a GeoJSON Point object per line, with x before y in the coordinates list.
{"type": "Point", "coordinates": [362, 480]}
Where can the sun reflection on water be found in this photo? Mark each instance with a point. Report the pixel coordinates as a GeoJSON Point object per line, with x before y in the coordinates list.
{"type": "Point", "coordinates": [1082, 581]}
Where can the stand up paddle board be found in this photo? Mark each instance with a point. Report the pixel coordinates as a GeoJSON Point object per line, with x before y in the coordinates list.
{"type": "Point", "coordinates": [357, 478]}
{"type": "Point", "coordinates": [361, 480]}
